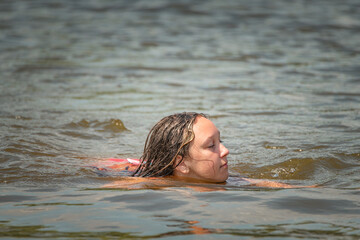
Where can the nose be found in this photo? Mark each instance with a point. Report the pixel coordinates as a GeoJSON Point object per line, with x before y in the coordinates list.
{"type": "Point", "coordinates": [223, 151]}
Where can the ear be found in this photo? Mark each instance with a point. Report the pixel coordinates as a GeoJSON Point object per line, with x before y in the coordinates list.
{"type": "Point", "coordinates": [182, 168]}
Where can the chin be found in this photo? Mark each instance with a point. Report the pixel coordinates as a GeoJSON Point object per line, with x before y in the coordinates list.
{"type": "Point", "coordinates": [221, 180]}
{"type": "Point", "coordinates": [225, 178]}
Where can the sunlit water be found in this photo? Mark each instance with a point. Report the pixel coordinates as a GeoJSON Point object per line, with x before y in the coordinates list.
{"type": "Point", "coordinates": [83, 81]}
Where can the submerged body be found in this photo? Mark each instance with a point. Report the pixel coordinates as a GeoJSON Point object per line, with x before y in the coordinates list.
{"type": "Point", "coordinates": [124, 168]}
{"type": "Point", "coordinates": [181, 147]}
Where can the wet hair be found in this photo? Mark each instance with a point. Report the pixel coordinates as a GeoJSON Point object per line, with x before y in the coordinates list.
{"type": "Point", "coordinates": [169, 138]}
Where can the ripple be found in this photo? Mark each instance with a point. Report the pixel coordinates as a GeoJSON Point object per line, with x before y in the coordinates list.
{"type": "Point", "coordinates": [293, 169]}
{"type": "Point", "coordinates": [112, 125]}
{"type": "Point", "coordinates": [230, 88]}
{"type": "Point", "coordinates": [315, 206]}
{"type": "Point", "coordinates": [53, 204]}
{"type": "Point", "coordinates": [261, 113]}
{"type": "Point", "coordinates": [40, 67]}
{"type": "Point", "coordinates": [269, 145]}
{"type": "Point", "coordinates": [16, 198]}
{"type": "Point", "coordinates": [288, 70]}
{"type": "Point", "coordinates": [30, 153]}
{"type": "Point", "coordinates": [296, 168]}
{"type": "Point", "coordinates": [156, 69]}
{"type": "Point", "coordinates": [333, 126]}
{"type": "Point", "coordinates": [30, 148]}
{"type": "Point", "coordinates": [350, 158]}
{"type": "Point", "coordinates": [224, 197]}
{"type": "Point", "coordinates": [342, 94]}
{"type": "Point", "coordinates": [155, 201]}
{"type": "Point", "coordinates": [331, 116]}
{"type": "Point", "coordinates": [242, 58]}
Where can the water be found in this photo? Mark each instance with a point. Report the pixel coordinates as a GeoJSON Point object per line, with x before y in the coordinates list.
{"type": "Point", "coordinates": [85, 80]}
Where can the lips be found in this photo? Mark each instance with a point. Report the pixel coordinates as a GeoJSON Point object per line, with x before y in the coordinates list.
{"type": "Point", "coordinates": [224, 165]}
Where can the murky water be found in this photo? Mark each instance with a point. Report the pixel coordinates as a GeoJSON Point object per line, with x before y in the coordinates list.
{"type": "Point", "coordinates": [85, 80]}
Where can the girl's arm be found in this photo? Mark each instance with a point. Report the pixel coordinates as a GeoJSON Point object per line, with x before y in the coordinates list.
{"type": "Point", "coordinates": [273, 184]}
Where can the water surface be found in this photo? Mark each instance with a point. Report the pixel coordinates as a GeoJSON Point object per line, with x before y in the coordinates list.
{"type": "Point", "coordinates": [83, 81]}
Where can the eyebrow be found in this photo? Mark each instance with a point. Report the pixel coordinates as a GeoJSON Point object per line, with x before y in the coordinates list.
{"type": "Point", "coordinates": [216, 134]}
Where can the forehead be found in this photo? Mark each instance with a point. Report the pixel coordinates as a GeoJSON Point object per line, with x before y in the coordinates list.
{"type": "Point", "coordinates": [203, 127]}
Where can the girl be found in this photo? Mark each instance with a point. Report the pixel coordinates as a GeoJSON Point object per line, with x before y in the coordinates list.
{"type": "Point", "coordinates": [183, 146]}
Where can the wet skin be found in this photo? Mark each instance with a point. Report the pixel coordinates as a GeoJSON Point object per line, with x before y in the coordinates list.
{"type": "Point", "coordinates": [207, 160]}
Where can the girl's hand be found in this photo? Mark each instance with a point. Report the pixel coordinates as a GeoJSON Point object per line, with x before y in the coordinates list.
{"type": "Point", "coordinates": [273, 184]}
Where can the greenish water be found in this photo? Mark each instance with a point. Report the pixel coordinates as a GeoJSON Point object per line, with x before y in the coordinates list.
{"type": "Point", "coordinates": [179, 213]}
{"type": "Point", "coordinates": [85, 80]}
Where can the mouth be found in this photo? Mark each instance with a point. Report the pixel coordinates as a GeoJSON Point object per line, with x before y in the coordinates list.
{"type": "Point", "coordinates": [225, 165]}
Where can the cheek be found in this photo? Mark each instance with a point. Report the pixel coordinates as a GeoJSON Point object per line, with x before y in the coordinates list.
{"type": "Point", "coordinates": [202, 167]}
{"type": "Point", "coordinates": [208, 165]}
{"type": "Point", "coordinates": [203, 154]}
{"type": "Point", "coordinates": [209, 159]}
{"type": "Point", "coordinates": [204, 160]}
{"type": "Point", "coordinates": [207, 168]}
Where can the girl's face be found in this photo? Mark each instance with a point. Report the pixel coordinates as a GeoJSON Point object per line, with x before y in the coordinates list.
{"type": "Point", "coordinates": [207, 155]}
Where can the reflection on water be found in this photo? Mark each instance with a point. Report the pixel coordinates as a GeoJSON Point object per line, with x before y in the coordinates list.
{"type": "Point", "coordinates": [244, 212]}
{"type": "Point", "coordinates": [83, 81]}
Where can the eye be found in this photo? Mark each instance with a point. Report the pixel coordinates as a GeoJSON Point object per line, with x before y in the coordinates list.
{"type": "Point", "coordinates": [212, 146]}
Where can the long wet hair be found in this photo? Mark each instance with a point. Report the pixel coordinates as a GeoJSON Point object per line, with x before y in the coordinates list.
{"type": "Point", "coordinates": [169, 138]}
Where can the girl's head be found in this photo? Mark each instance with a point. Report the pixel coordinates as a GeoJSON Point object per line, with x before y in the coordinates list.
{"type": "Point", "coordinates": [184, 145]}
